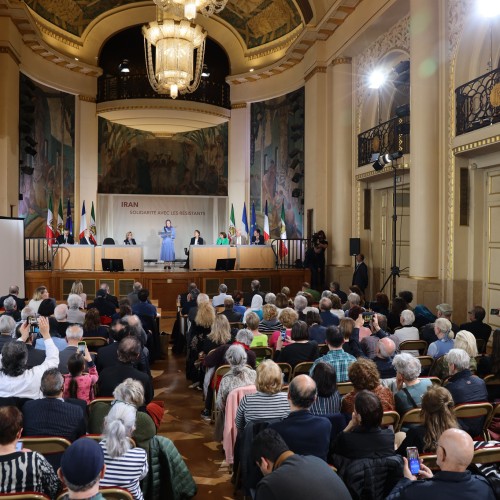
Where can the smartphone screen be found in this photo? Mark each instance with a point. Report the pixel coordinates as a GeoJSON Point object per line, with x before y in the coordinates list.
{"type": "Point", "coordinates": [413, 461]}
{"type": "Point", "coordinates": [81, 346]}
{"type": "Point", "coordinates": [19, 446]}
{"type": "Point", "coordinates": [283, 334]}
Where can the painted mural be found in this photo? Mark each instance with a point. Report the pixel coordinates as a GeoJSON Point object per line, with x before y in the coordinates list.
{"type": "Point", "coordinates": [136, 162]}
{"type": "Point", "coordinates": [47, 153]}
{"type": "Point", "coordinates": [277, 161]}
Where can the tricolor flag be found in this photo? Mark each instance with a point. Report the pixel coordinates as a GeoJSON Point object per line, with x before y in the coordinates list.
{"type": "Point", "coordinates": [253, 220]}
{"type": "Point", "coordinates": [232, 223]}
{"type": "Point", "coordinates": [49, 232]}
{"type": "Point", "coordinates": [244, 220]}
{"type": "Point", "coordinates": [93, 229]}
{"type": "Point", "coordinates": [83, 222]}
{"type": "Point", "coordinates": [266, 225]}
{"type": "Point", "coordinates": [60, 220]}
{"type": "Point", "coordinates": [69, 219]}
{"type": "Point", "coordinates": [283, 248]}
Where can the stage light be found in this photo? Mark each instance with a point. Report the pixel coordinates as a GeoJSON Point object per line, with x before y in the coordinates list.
{"type": "Point", "coordinates": [205, 73]}
{"type": "Point", "coordinates": [383, 160]}
{"type": "Point", "coordinates": [377, 79]}
{"type": "Point", "coordinates": [123, 66]}
{"type": "Point", "coordinates": [488, 8]}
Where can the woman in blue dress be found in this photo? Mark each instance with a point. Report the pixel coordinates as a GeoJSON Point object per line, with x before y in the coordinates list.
{"type": "Point", "coordinates": [167, 253]}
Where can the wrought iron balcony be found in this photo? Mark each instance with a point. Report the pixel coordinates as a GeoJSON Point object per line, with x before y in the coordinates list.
{"type": "Point", "coordinates": [136, 86]}
{"type": "Point", "coordinates": [478, 102]}
{"type": "Point", "coordinates": [388, 137]}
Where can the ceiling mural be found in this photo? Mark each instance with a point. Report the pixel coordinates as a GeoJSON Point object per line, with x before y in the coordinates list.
{"type": "Point", "coordinates": [257, 21]}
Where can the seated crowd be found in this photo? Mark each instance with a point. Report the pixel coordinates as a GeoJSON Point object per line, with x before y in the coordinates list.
{"type": "Point", "coordinates": [294, 384]}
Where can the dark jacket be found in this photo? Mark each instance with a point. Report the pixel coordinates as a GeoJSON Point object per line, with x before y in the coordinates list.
{"type": "Point", "coordinates": [385, 367]}
{"type": "Point", "coordinates": [20, 302]}
{"type": "Point", "coordinates": [201, 241]}
{"type": "Point", "coordinates": [35, 356]}
{"type": "Point", "coordinates": [232, 316]}
{"type": "Point", "coordinates": [360, 276]}
{"type": "Point", "coordinates": [363, 443]}
{"type": "Point", "coordinates": [108, 356]}
{"type": "Point", "coordinates": [479, 329]}
{"type": "Point", "coordinates": [69, 240]}
{"type": "Point", "coordinates": [329, 319]}
{"type": "Point", "coordinates": [104, 305]}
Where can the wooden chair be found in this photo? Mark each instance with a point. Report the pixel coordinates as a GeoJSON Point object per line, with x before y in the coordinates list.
{"type": "Point", "coordinates": [344, 388]}
{"type": "Point", "coordinates": [436, 381]}
{"type": "Point", "coordinates": [46, 445]}
{"type": "Point", "coordinates": [323, 349]}
{"type": "Point", "coordinates": [302, 368]}
{"type": "Point", "coordinates": [108, 400]}
{"type": "Point", "coordinates": [426, 362]}
{"type": "Point", "coordinates": [29, 495]}
{"type": "Point", "coordinates": [99, 437]}
{"type": "Point", "coordinates": [115, 493]}
{"type": "Point", "coordinates": [492, 385]}
{"type": "Point", "coordinates": [219, 373]}
{"type": "Point", "coordinates": [412, 416]}
{"type": "Point", "coordinates": [262, 352]}
{"type": "Point", "coordinates": [486, 455]}
{"type": "Point", "coordinates": [494, 414]}
{"type": "Point", "coordinates": [95, 342]}
{"type": "Point", "coordinates": [476, 410]}
{"type": "Point", "coordinates": [390, 418]}
{"type": "Point", "coordinates": [430, 461]}
{"type": "Point", "coordinates": [287, 370]}
{"type": "Point", "coordinates": [414, 345]}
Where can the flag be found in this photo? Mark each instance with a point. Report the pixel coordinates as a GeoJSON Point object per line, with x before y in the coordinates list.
{"type": "Point", "coordinates": [83, 222]}
{"type": "Point", "coordinates": [232, 223]}
{"type": "Point", "coordinates": [49, 232]}
{"type": "Point", "coordinates": [93, 229]}
{"type": "Point", "coordinates": [253, 220]}
{"type": "Point", "coordinates": [283, 248]}
{"type": "Point", "coordinates": [69, 219]}
{"type": "Point", "coordinates": [244, 221]}
{"type": "Point", "coordinates": [60, 220]}
{"type": "Point", "coordinates": [266, 225]}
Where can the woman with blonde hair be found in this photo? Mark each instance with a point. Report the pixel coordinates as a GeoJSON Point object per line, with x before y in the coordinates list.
{"type": "Point", "coordinates": [270, 321]}
{"type": "Point", "coordinates": [40, 294]}
{"type": "Point", "coordinates": [287, 317]}
{"type": "Point", "coordinates": [269, 402]}
{"type": "Point", "coordinates": [126, 466]}
{"type": "Point", "coordinates": [77, 289]}
{"type": "Point", "coordinates": [438, 416]}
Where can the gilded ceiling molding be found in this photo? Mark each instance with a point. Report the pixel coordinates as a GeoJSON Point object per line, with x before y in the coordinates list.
{"type": "Point", "coordinates": [386, 170]}
{"type": "Point", "coordinates": [476, 144]}
{"type": "Point", "coordinates": [239, 105]}
{"type": "Point", "coordinates": [11, 53]}
{"type": "Point", "coordinates": [87, 98]}
{"type": "Point", "coordinates": [107, 109]}
{"type": "Point", "coordinates": [314, 71]}
{"type": "Point", "coordinates": [342, 60]}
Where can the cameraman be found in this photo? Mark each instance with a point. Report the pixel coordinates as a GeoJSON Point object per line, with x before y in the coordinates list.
{"type": "Point", "coordinates": [315, 260]}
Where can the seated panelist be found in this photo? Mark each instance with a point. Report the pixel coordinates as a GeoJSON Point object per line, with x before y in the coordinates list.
{"type": "Point", "coordinates": [129, 239]}
{"type": "Point", "coordinates": [65, 238]}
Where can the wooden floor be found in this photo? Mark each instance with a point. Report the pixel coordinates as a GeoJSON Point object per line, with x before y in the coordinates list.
{"type": "Point", "coordinates": [192, 436]}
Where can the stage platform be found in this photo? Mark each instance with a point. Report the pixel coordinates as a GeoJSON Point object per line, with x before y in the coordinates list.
{"type": "Point", "coordinates": [164, 285]}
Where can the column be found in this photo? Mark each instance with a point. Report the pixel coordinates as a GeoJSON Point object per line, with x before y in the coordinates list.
{"type": "Point", "coordinates": [316, 141]}
{"type": "Point", "coordinates": [424, 139]}
{"type": "Point", "coordinates": [239, 158]}
{"type": "Point", "coordinates": [341, 162]}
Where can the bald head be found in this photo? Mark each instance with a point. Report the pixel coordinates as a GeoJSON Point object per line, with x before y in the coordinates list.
{"type": "Point", "coordinates": [302, 392]}
{"type": "Point", "coordinates": [386, 348]}
{"type": "Point", "coordinates": [455, 450]}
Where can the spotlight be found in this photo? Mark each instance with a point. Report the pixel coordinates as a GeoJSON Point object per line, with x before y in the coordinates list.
{"type": "Point", "coordinates": [488, 8]}
{"type": "Point", "coordinates": [29, 150]}
{"type": "Point", "coordinates": [377, 79]}
{"type": "Point", "coordinates": [123, 66]}
{"type": "Point", "coordinates": [383, 160]}
{"type": "Point", "coordinates": [205, 73]}
{"type": "Point", "coordinates": [296, 177]}
{"type": "Point", "coordinates": [296, 193]}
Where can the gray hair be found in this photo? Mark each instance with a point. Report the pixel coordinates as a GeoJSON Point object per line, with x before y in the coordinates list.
{"type": "Point", "coordinates": [26, 313]}
{"type": "Point", "coordinates": [74, 301]}
{"type": "Point", "coordinates": [325, 304]}
{"type": "Point", "coordinates": [52, 382]}
{"type": "Point", "coordinates": [459, 358]}
{"type": "Point", "coordinates": [444, 326]}
{"type": "Point", "coordinates": [236, 356]}
{"type": "Point", "coordinates": [14, 358]}
{"type": "Point", "coordinates": [202, 297]}
{"type": "Point", "coordinates": [137, 286]}
{"type": "Point", "coordinates": [354, 299]}
{"type": "Point", "coordinates": [328, 294]}
{"type": "Point", "coordinates": [118, 427]}
{"type": "Point", "coordinates": [61, 312]}
{"type": "Point", "coordinates": [14, 289]}
{"type": "Point", "coordinates": [244, 336]}
{"type": "Point", "coordinates": [7, 325]}
{"type": "Point", "coordinates": [9, 304]}
{"type": "Point", "coordinates": [222, 288]}
{"type": "Point", "coordinates": [255, 284]}
{"type": "Point", "coordinates": [407, 365]}
{"type": "Point", "coordinates": [407, 317]}
{"type": "Point", "coordinates": [300, 303]}
{"type": "Point", "coordinates": [130, 391]}
{"type": "Point", "coordinates": [270, 298]}
{"type": "Point", "coordinates": [74, 332]}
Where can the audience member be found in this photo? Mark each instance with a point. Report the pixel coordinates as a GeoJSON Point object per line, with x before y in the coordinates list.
{"type": "Point", "coordinates": [427, 331]}
{"type": "Point", "coordinates": [254, 290]}
{"type": "Point", "coordinates": [24, 470]}
{"type": "Point", "coordinates": [124, 309]}
{"type": "Point", "coordinates": [270, 298]}
{"type": "Point", "coordinates": [291, 476]}
{"type": "Point", "coordinates": [328, 400]}
{"type": "Point", "coordinates": [336, 356]}
{"type": "Point", "coordinates": [143, 307]}
{"type": "Point", "coordinates": [133, 295]}
{"type": "Point", "coordinates": [287, 318]}
{"type": "Point", "coordinates": [7, 330]}
{"type": "Point", "coordinates": [238, 299]}
{"type": "Point", "coordinates": [407, 332]}
{"type": "Point", "coordinates": [336, 306]}
{"type": "Point", "coordinates": [299, 305]}
{"type": "Point", "coordinates": [383, 358]}
{"type": "Point", "coordinates": [364, 376]}
{"type": "Point", "coordinates": [92, 325]}
{"type": "Point", "coordinates": [303, 432]}
{"type": "Point", "coordinates": [35, 356]}
{"type": "Point", "coordinates": [269, 402]}
{"type": "Point", "coordinates": [335, 288]}
{"type": "Point", "coordinates": [281, 302]}
{"type": "Point", "coordinates": [77, 384]}
{"type": "Point", "coordinates": [229, 311]}
{"type": "Point", "coordinates": [316, 330]}
{"type": "Point", "coordinates": [252, 322]}
{"type": "Point", "coordinates": [325, 311]}
{"type": "Point", "coordinates": [61, 316]}
{"type": "Point", "coordinates": [381, 304]}
{"type": "Point", "coordinates": [39, 294]}
{"type": "Point", "coordinates": [444, 342]}
{"type": "Point", "coordinates": [75, 315]}
{"type": "Point", "coordinates": [270, 322]}
{"type": "Point", "coordinates": [407, 296]}
{"type": "Point", "coordinates": [490, 365]}
{"type": "Point", "coordinates": [13, 293]}
{"type": "Point", "coordinates": [476, 326]}
{"type": "Point", "coordinates": [255, 306]}
{"type": "Point", "coordinates": [111, 298]}
{"type": "Point", "coordinates": [51, 415]}
{"type": "Point", "coordinates": [350, 329]}
{"type": "Point", "coordinates": [378, 327]}
{"type": "Point", "coordinates": [10, 307]}
{"type": "Point", "coordinates": [191, 299]}
{"type": "Point", "coordinates": [103, 304]}
{"type": "Point", "coordinates": [393, 318]}
{"type": "Point", "coordinates": [300, 350]}
{"type": "Point", "coordinates": [218, 300]}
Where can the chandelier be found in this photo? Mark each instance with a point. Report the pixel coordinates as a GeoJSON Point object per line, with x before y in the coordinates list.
{"type": "Point", "coordinates": [180, 49]}
{"type": "Point", "coordinates": [206, 7]}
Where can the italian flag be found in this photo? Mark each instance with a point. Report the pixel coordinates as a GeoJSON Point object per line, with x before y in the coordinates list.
{"type": "Point", "coordinates": [49, 232]}
{"type": "Point", "coordinates": [60, 220]}
{"type": "Point", "coordinates": [232, 223]}
{"type": "Point", "coordinates": [283, 248]}
{"type": "Point", "coordinates": [83, 222]}
{"type": "Point", "coordinates": [93, 228]}
{"type": "Point", "coordinates": [266, 225]}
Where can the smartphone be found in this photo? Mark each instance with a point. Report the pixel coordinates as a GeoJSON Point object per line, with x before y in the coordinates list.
{"type": "Point", "coordinates": [81, 347]}
{"type": "Point", "coordinates": [413, 461]}
{"type": "Point", "coordinates": [33, 324]}
{"type": "Point", "coordinates": [494, 312]}
{"type": "Point", "coordinates": [283, 334]}
{"type": "Point", "coordinates": [367, 318]}
{"type": "Point", "coordinates": [19, 446]}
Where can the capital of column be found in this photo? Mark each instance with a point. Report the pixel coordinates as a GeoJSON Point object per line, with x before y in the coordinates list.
{"type": "Point", "coordinates": [341, 60]}
{"type": "Point", "coordinates": [239, 105]}
{"type": "Point", "coordinates": [314, 71]}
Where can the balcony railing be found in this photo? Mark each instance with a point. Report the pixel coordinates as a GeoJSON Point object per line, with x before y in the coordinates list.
{"type": "Point", "coordinates": [388, 137]}
{"type": "Point", "coordinates": [136, 86]}
{"type": "Point", "coordinates": [478, 102]}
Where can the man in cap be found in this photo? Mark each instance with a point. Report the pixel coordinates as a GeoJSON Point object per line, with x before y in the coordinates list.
{"type": "Point", "coordinates": [427, 331]}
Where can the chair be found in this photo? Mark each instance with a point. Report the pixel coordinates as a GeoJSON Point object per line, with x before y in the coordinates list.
{"type": "Point", "coordinates": [412, 416]}
{"type": "Point", "coordinates": [390, 418]}
{"type": "Point", "coordinates": [302, 368]}
{"type": "Point", "coordinates": [262, 352]}
{"type": "Point", "coordinates": [98, 438]}
{"type": "Point", "coordinates": [475, 411]}
{"type": "Point", "coordinates": [426, 362]}
{"type": "Point", "coordinates": [108, 241]}
{"type": "Point", "coordinates": [95, 342]}
{"type": "Point", "coordinates": [492, 386]}
{"type": "Point", "coordinates": [287, 371]}
{"type": "Point", "coordinates": [29, 495]}
{"type": "Point", "coordinates": [436, 381]}
{"type": "Point", "coordinates": [414, 345]}
{"type": "Point", "coordinates": [487, 455]}
{"type": "Point", "coordinates": [323, 349]}
{"type": "Point", "coordinates": [46, 445]}
{"type": "Point", "coordinates": [344, 388]}
{"type": "Point", "coordinates": [481, 345]}
{"type": "Point", "coordinates": [430, 461]}
{"type": "Point", "coordinates": [115, 493]}
{"type": "Point", "coordinates": [219, 373]}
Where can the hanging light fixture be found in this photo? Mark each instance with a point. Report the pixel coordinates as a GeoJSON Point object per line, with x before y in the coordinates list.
{"type": "Point", "coordinates": [180, 49]}
{"type": "Point", "coordinates": [206, 7]}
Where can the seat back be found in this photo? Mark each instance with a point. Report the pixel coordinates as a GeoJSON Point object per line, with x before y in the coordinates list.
{"type": "Point", "coordinates": [287, 370]}
{"type": "Point", "coordinates": [426, 362]}
{"type": "Point", "coordinates": [430, 461]}
{"type": "Point", "coordinates": [302, 368]}
{"type": "Point", "coordinates": [262, 352]}
{"type": "Point", "coordinates": [414, 345]}
{"type": "Point", "coordinates": [221, 371]}
{"type": "Point", "coordinates": [46, 445]}
{"type": "Point", "coordinates": [390, 418]}
{"type": "Point", "coordinates": [108, 241]}
{"type": "Point", "coordinates": [481, 345]}
{"type": "Point", "coordinates": [95, 342]}
{"type": "Point", "coordinates": [487, 455]}
{"type": "Point", "coordinates": [436, 381]}
{"type": "Point", "coordinates": [475, 411]}
{"type": "Point", "coordinates": [413, 416]}
{"type": "Point", "coordinates": [29, 495]}
{"type": "Point", "coordinates": [344, 388]}
{"type": "Point", "coordinates": [323, 349]}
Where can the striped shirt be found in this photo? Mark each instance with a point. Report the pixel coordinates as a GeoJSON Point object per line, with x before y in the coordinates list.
{"type": "Point", "coordinates": [326, 406]}
{"type": "Point", "coordinates": [125, 471]}
{"type": "Point", "coordinates": [261, 406]}
{"type": "Point", "coordinates": [340, 360]}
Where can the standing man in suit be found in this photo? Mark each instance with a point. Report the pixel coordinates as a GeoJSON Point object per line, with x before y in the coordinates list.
{"type": "Point", "coordinates": [65, 238]}
{"type": "Point", "coordinates": [360, 276]}
{"type": "Point", "coordinates": [257, 238]}
{"type": "Point", "coordinates": [195, 240]}
{"type": "Point", "coordinates": [86, 238]}
{"type": "Point", "coordinates": [239, 239]}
